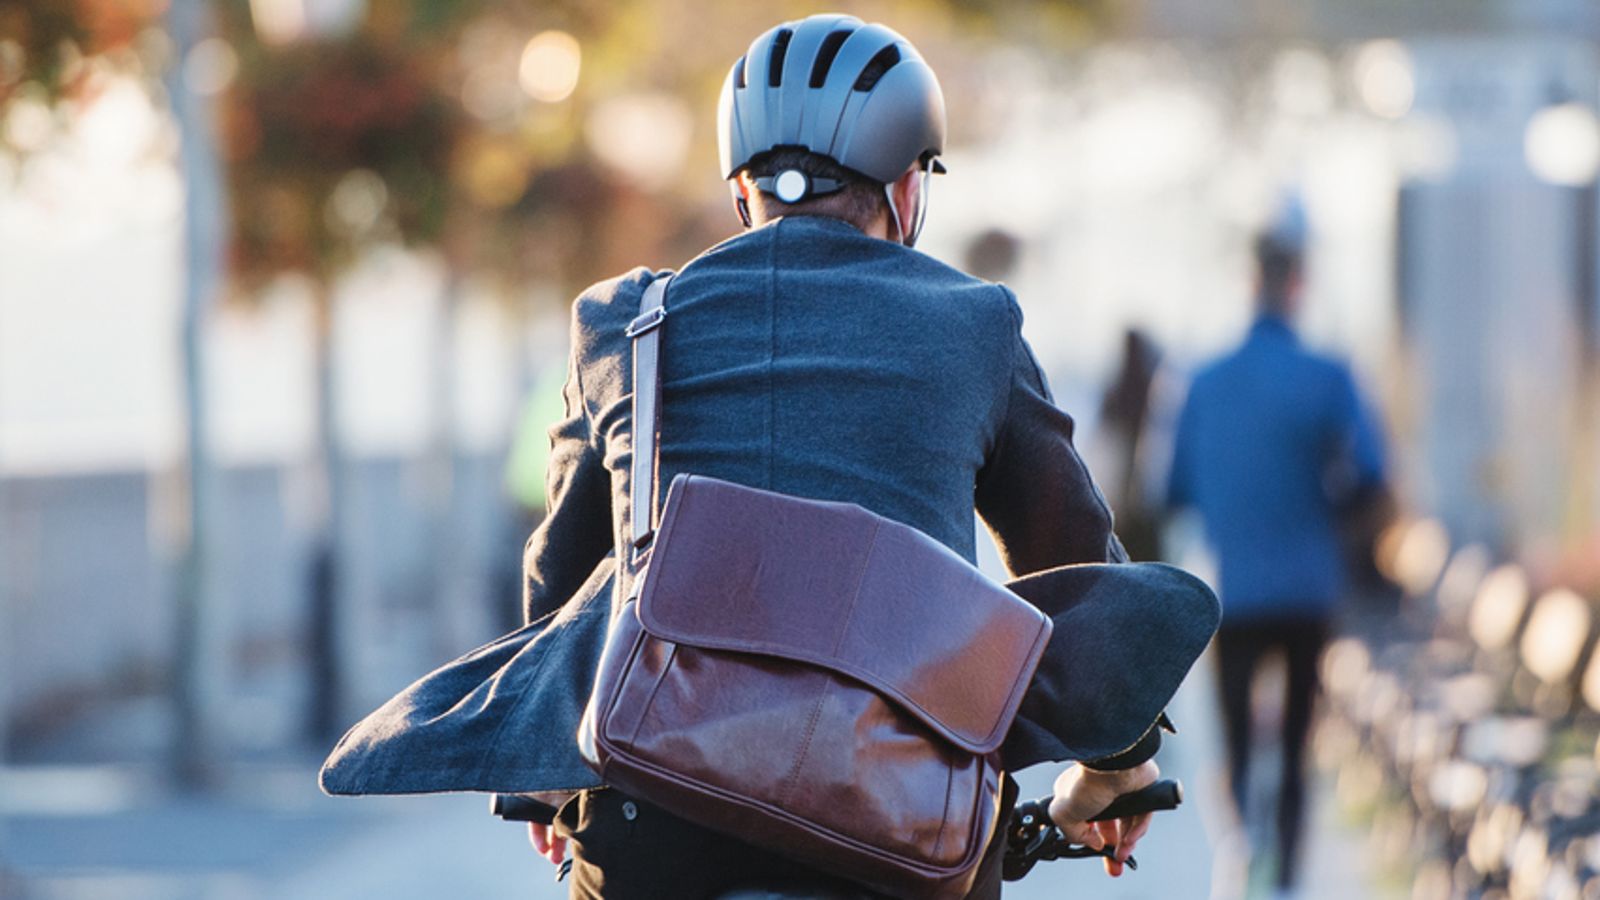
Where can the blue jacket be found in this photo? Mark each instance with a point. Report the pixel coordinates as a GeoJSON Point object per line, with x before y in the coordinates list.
{"type": "Point", "coordinates": [807, 358]}
{"type": "Point", "coordinates": [1272, 439]}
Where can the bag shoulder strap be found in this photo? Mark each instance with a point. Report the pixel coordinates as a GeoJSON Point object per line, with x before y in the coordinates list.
{"type": "Point", "coordinates": [645, 332]}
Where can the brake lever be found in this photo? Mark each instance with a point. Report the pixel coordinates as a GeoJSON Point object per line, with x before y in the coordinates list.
{"type": "Point", "coordinates": [1048, 844]}
{"type": "Point", "coordinates": [1033, 837]}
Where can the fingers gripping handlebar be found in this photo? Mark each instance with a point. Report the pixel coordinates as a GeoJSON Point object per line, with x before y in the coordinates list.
{"type": "Point", "coordinates": [1034, 837]}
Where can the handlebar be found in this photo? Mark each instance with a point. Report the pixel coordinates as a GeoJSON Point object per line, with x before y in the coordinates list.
{"type": "Point", "coordinates": [520, 808]}
{"type": "Point", "coordinates": [1032, 836]}
{"type": "Point", "coordinates": [1158, 797]}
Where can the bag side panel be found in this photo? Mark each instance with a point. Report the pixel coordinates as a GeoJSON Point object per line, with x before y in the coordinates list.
{"type": "Point", "coordinates": [813, 744]}
{"type": "Point", "coordinates": [776, 829]}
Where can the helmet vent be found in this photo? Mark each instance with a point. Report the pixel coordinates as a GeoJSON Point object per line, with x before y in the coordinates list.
{"type": "Point", "coordinates": [739, 72]}
{"type": "Point", "coordinates": [825, 54]}
{"type": "Point", "coordinates": [780, 50]}
{"type": "Point", "coordinates": [876, 67]}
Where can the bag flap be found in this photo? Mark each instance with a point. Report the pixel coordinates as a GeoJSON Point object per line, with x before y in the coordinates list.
{"type": "Point", "coordinates": [834, 585]}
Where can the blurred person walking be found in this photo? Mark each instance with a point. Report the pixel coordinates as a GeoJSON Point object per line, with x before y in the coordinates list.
{"type": "Point", "coordinates": [1122, 445]}
{"type": "Point", "coordinates": [1272, 445]}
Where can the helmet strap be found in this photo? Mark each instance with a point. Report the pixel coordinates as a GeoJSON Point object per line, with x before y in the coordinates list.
{"type": "Point", "coordinates": [894, 213]}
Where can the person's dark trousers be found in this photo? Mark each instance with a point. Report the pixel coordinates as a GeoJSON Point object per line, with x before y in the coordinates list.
{"type": "Point", "coordinates": [624, 848]}
{"type": "Point", "coordinates": [1240, 648]}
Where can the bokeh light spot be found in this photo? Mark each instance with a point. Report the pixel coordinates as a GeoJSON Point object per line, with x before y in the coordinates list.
{"type": "Point", "coordinates": [1562, 145]}
{"type": "Point", "coordinates": [1555, 636]}
{"type": "Point", "coordinates": [1385, 78]}
{"type": "Point", "coordinates": [278, 21]}
{"type": "Point", "coordinates": [549, 68]}
{"type": "Point", "coordinates": [621, 125]}
{"type": "Point", "coordinates": [29, 124]}
{"type": "Point", "coordinates": [357, 202]}
{"type": "Point", "coordinates": [1497, 610]}
{"type": "Point", "coordinates": [210, 67]}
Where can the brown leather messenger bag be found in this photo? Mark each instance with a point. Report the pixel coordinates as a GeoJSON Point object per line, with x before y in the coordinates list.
{"type": "Point", "coordinates": [806, 676]}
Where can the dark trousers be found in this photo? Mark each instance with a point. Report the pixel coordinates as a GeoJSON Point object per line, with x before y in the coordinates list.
{"type": "Point", "coordinates": [624, 848]}
{"type": "Point", "coordinates": [1240, 649]}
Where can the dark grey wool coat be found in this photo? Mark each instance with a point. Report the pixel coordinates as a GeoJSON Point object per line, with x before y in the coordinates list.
{"type": "Point", "coordinates": [807, 358]}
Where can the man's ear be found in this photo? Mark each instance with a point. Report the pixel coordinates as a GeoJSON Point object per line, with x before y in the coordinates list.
{"type": "Point", "coordinates": [741, 198]}
{"type": "Point", "coordinates": [907, 193]}
{"type": "Point", "coordinates": [907, 189]}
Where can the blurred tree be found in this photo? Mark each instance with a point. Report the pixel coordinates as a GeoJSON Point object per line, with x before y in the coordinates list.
{"type": "Point", "coordinates": [48, 47]}
{"type": "Point", "coordinates": [335, 145]}
{"type": "Point", "coordinates": [506, 137]}
{"type": "Point", "coordinates": [55, 57]}
{"type": "Point", "coordinates": [451, 124]}
{"type": "Point", "coordinates": [490, 132]}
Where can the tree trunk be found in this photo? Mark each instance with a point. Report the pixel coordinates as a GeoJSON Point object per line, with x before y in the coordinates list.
{"type": "Point", "coordinates": [200, 651]}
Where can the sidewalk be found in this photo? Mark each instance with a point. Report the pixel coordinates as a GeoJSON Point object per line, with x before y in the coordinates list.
{"type": "Point", "coordinates": [267, 834]}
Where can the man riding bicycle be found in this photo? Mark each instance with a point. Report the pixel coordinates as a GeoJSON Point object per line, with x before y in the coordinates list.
{"type": "Point", "coordinates": [819, 354]}
{"type": "Point", "coordinates": [816, 355]}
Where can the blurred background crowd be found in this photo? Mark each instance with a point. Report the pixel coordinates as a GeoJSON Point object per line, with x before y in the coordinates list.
{"type": "Point", "coordinates": [283, 290]}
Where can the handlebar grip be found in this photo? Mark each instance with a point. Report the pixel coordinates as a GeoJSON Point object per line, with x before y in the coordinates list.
{"type": "Point", "coordinates": [518, 808]}
{"type": "Point", "coordinates": [1163, 795]}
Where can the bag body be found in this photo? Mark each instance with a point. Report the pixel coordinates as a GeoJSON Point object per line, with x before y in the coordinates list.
{"type": "Point", "coordinates": [817, 679]}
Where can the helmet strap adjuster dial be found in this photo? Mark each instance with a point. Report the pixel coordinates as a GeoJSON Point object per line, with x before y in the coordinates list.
{"type": "Point", "coordinates": [793, 185]}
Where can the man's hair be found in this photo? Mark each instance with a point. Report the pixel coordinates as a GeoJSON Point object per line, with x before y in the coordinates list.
{"type": "Point", "coordinates": [859, 202]}
{"type": "Point", "coordinates": [1279, 266]}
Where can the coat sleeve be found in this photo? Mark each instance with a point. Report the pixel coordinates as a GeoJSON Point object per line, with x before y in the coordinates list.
{"type": "Point", "coordinates": [1034, 491]}
{"type": "Point", "coordinates": [576, 532]}
{"type": "Point", "coordinates": [1044, 510]}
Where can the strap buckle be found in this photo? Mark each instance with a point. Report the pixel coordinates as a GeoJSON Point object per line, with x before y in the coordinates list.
{"type": "Point", "coordinates": [647, 322]}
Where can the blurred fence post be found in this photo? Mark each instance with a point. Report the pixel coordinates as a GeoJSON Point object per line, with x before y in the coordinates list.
{"type": "Point", "coordinates": [7, 659]}
{"type": "Point", "coordinates": [200, 651]}
{"type": "Point", "coordinates": [335, 621]}
{"type": "Point", "coordinates": [440, 463]}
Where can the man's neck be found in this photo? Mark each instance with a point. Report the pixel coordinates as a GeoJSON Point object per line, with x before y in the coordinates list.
{"type": "Point", "coordinates": [877, 228]}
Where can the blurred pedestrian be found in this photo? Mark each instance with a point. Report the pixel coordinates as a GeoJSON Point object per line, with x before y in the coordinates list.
{"type": "Point", "coordinates": [1125, 413]}
{"type": "Point", "coordinates": [1273, 442]}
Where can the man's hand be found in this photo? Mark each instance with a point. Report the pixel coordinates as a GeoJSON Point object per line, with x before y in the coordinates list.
{"type": "Point", "coordinates": [544, 840]}
{"type": "Point", "coordinates": [1081, 793]}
